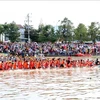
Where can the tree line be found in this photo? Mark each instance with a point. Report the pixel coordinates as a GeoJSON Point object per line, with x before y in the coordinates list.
{"type": "Point", "coordinates": [65, 31]}
{"type": "Point", "coordinates": [9, 31]}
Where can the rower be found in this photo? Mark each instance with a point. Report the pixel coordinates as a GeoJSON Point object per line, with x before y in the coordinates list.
{"type": "Point", "coordinates": [97, 62]}
{"type": "Point", "coordinates": [69, 59]}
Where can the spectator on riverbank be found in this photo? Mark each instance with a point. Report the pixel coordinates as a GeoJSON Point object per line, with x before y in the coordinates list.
{"type": "Point", "coordinates": [48, 49]}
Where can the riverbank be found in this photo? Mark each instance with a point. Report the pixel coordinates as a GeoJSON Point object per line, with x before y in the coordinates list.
{"type": "Point", "coordinates": [65, 57]}
{"type": "Point", "coordinates": [75, 57]}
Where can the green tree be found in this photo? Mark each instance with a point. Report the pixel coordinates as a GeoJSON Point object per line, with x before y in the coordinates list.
{"type": "Point", "coordinates": [52, 36]}
{"type": "Point", "coordinates": [12, 32]}
{"type": "Point", "coordinates": [40, 28]}
{"type": "Point", "coordinates": [59, 33]}
{"type": "Point", "coordinates": [81, 33]}
{"type": "Point", "coordinates": [6, 29]}
{"type": "Point", "coordinates": [46, 33]}
{"type": "Point", "coordinates": [1, 31]}
{"type": "Point", "coordinates": [93, 31]}
{"type": "Point", "coordinates": [65, 30]}
{"type": "Point", "coordinates": [34, 35]}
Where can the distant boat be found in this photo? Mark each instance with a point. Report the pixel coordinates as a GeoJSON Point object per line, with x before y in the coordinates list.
{"type": "Point", "coordinates": [81, 54]}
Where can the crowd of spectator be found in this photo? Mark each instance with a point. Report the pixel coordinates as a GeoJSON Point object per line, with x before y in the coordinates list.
{"type": "Point", "coordinates": [48, 48]}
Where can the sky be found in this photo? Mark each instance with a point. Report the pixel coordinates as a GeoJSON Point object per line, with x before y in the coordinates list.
{"type": "Point", "coordinates": [49, 12]}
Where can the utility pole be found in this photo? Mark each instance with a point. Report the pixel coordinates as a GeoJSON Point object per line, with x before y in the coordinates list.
{"type": "Point", "coordinates": [28, 25]}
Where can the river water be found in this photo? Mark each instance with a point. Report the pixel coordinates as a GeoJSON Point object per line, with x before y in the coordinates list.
{"type": "Point", "coordinates": [51, 84]}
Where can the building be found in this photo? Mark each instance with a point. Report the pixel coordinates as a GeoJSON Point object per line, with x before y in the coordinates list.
{"type": "Point", "coordinates": [22, 33]}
